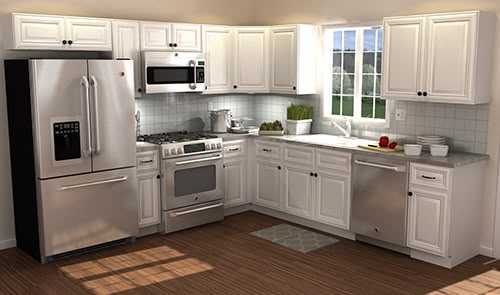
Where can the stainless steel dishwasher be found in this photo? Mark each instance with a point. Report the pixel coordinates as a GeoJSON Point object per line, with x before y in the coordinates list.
{"type": "Point", "coordinates": [379, 200]}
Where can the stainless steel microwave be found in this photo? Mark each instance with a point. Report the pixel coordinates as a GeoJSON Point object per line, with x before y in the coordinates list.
{"type": "Point", "coordinates": [166, 72]}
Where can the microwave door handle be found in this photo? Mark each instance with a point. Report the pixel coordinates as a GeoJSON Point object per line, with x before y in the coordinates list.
{"type": "Point", "coordinates": [84, 83]}
{"type": "Point", "coordinates": [192, 63]}
{"type": "Point", "coordinates": [96, 115]}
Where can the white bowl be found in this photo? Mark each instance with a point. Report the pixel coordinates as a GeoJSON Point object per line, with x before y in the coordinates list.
{"type": "Point", "coordinates": [439, 150]}
{"type": "Point", "coordinates": [413, 149]}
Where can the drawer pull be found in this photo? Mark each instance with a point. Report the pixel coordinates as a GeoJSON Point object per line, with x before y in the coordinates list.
{"type": "Point", "coordinates": [428, 177]}
{"type": "Point", "coordinates": [234, 150]}
{"type": "Point", "coordinates": [146, 162]}
{"type": "Point", "coordinates": [267, 150]}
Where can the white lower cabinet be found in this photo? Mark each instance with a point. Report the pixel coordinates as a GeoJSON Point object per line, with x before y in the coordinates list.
{"type": "Point", "coordinates": [235, 182]}
{"type": "Point", "coordinates": [268, 183]}
{"type": "Point", "coordinates": [426, 226]}
{"type": "Point", "coordinates": [149, 198]}
{"type": "Point", "coordinates": [333, 199]}
{"type": "Point", "coordinates": [298, 193]}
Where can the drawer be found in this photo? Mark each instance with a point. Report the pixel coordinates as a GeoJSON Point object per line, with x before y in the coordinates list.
{"type": "Point", "coordinates": [430, 176]}
{"type": "Point", "coordinates": [147, 160]}
{"type": "Point", "coordinates": [328, 159]}
{"type": "Point", "coordinates": [268, 150]}
{"type": "Point", "coordinates": [235, 148]}
{"type": "Point", "coordinates": [299, 154]}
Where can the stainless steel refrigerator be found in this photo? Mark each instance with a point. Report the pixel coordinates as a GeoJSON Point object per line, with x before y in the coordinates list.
{"type": "Point", "coordinates": [72, 145]}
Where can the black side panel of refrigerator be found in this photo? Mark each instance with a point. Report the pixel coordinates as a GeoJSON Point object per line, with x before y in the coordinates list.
{"type": "Point", "coordinates": [22, 157]}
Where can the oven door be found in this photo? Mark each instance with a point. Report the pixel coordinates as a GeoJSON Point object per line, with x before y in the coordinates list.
{"type": "Point", "coordinates": [175, 78]}
{"type": "Point", "coordinates": [192, 180]}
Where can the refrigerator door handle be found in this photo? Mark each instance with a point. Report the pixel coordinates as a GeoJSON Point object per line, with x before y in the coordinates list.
{"type": "Point", "coordinates": [103, 181]}
{"type": "Point", "coordinates": [84, 83]}
{"type": "Point", "coordinates": [93, 83]}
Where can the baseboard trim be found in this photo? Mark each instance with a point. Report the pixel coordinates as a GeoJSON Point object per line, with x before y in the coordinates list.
{"type": "Point", "coordinates": [6, 244]}
{"type": "Point", "coordinates": [486, 251]}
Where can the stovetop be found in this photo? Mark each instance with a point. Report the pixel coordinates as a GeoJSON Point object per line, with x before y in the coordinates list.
{"type": "Point", "coordinates": [174, 137]}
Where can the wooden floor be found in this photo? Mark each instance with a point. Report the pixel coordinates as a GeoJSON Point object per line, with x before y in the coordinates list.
{"type": "Point", "coordinates": [222, 258]}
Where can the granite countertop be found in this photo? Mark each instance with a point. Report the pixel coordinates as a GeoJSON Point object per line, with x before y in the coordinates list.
{"type": "Point", "coordinates": [145, 146]}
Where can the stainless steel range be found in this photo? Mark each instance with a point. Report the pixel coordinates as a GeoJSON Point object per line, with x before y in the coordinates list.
{"type": "Point", "coordinates": [192, 184]}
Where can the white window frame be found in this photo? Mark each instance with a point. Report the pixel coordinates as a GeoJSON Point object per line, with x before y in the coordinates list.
{"type": "Point", "coordinates": [326, 38]}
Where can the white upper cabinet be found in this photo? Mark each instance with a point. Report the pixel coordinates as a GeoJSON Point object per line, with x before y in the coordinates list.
{"type": "Point", "coordinates": [45, 32]}
{"type": "Point", "coordinates": [438, 58]}
{"type": "Point", "coordinates": [167, 36]}
{"type": "Point", "coordinates": [126, 45]}
{"type": "Point", "coordinates": [293, 53]}
{"type": "Point", "coordinates": [217, 46]}
{"type": "Point", "coordinates": [251, 59]}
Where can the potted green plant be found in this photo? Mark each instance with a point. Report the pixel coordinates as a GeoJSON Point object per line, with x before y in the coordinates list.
{"type": "Point", "coordinates": [299, 119]}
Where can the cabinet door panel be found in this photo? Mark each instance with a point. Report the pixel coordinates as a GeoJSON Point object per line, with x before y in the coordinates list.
{"type": "Point", "coordinates": [268, 183]}
{"type": "Point", "coordinates": [298, 191]}
{"type": "Point", "coordinates": [126, 45]}
{"type": "Point", "coordinates": [155, 36]}
{"type": "Point", "coordinates": [89, 34]}
{"type": "Point", "coordinates": [41, 32]}
{"type": "Point", "coordinates": [427, 216]}
{"type": "Point", "coordinates": [149, 199]}
{"type": "Point", "coordinates": [251, 72]}
{"type": "Point", "coordinates": [186, 37]}
{"type": "Point", "coordinates": [218, 52]}
{"type": "Point", "coordinates": [235, 181]}
{"type": "Point", "coordinates": [402, 64]}
{"type": "Point", "coordinates": [333, 203]}
{"type": "Point", "coordinates": [284, 59]}
{"type": "Point", "coordinates": [450, 55]}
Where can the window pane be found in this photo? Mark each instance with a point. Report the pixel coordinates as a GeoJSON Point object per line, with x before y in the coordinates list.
{"type": "Point", "coordinates": [379, 108]}
{"type": "Point", "coordinates": [337, 62]}
{"type": "Point", "coordinates": [349, 40]}
{"type": "Point", "coordinates": [348, 84]}
{"type": "Point", "coordinates": [377, 85]}
{"type": "Point", "coordinates": [368, 62]}
{"type": "Point", "coordinates": [335, 105]}
{"type": "Point", "coordinates": [379, 62]}
{"type": "Point", "coordinates": [347, 105]}
{"type": "Point", "coordinates": [349, 63]}
{"type": "Point", "coordinates": [367, 107]}
{"type": "Point", "coordinates": [369, 40]}
{"type": "Point", "coordinates": [336, 84]}
{"type": "Point", "coordinates": [379, 40]}
{"type": "Point", "coordinates": [367, 86]}
{"type": "Point", "coordinates": [337, 41]}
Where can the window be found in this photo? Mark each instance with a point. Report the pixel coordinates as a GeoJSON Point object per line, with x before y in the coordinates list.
{"type": "Point", "coordinates": [355, 56]}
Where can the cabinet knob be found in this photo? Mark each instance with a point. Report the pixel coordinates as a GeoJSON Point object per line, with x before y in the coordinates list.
{"type": "Point", "coordinates": [206, 87]}
{"type": "Point", "coordinates": [312, 174]}
{"type": "Point", "coordinates": [175, 44]}
{"type": "Point", "coordinates": [294, 87]}
{"type": "Point", "coordinates": [64, 42]}
{"type": "Point", "coordinates": [223, 165]}
{"type": "Point", "coordinates": [235, 86]}
{"type": "Point", "coordinates": [70, 42]}
{"type": "Point", "coordinates": [139, 90]}
{"type": "Point", "coordinates": [315, 174]}
{"type": "Point", "coordinates": [279, 167]}
{"type": "Point", "coordinates": [171, 45]}
{"type": "Point", "coordinates": [424, 94]}
{"type": "Point", "coordinates": [158, 176]}
{"type": "Point", "coordinates": [419, 93]}
{"type": "Point", "coordinates": [410, 194]}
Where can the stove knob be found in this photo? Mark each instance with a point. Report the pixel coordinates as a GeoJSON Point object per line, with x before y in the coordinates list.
{"type": "Point", "coordinates": [173, 151]}
{"type": "Point", "coordinates": [207, 147]}
{"type": "Point", "coordinates": [180, 151]}
{"type": "Point", "coordinates": [219, 146]}
{"type": "Point", "coordinates": [166, 152]}
{"type": "Point", "coordinates": [213, 146]}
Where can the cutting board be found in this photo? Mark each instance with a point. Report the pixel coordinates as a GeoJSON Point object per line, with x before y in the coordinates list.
{"type": "Point", "coordinates": [381, 149]}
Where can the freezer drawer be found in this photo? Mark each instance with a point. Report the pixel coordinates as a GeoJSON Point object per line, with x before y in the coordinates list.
{"type": "Point", "coordinates": [86, 210]}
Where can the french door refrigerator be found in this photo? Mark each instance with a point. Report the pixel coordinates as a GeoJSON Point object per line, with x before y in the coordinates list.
{"type": "Point", "coordinates": [72, 146]}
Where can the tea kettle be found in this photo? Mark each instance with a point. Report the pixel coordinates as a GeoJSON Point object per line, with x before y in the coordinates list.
{"type": "Point", "coordinates": [220, 121]}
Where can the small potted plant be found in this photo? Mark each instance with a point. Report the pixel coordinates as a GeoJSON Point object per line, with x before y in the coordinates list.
{"type": "Point", "coordinates": [299, 119]}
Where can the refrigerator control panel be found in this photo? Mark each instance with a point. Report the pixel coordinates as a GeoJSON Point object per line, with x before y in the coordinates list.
{"type": "Point", "coordinates": [67, 140]}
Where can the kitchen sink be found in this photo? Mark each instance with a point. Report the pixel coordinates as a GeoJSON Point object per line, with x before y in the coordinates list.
{"type": "Point", "coordinates": [334, 140]}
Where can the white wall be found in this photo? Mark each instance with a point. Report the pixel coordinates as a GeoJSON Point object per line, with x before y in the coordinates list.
{"type": "Point", "coordinates": [244, 12]}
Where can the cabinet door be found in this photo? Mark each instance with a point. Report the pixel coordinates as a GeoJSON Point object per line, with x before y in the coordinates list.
{"type": "Point", "coordinates": [186, 37]}
{"type": "Point", "coordinates": [155, 36]}
{"type": "Point", "coordinates": [268, 184]}
{"type": "Point", "coordinates": [403, 60]}
{"type": "Point", "coordinates": [149, 198]}
{"type": "Point", "coordinates": [126, 45]}
{"type": "Point", "coordinates": [427, 216]}
{"type": "Point", "coordinates": [88, 33]}
{"type": "Point", "coordinates": [333, 199]}
{"type": "Point", "coordinates": [450, 57]}
{"type": "Point", "coordinates": [284, 59]}
{"type": "Point", "coordinates": [251, 60]}
{"type": "Point", "coordinates": [235, 182]}
{"type": "Point", "coordinates": [298, 191]}
{"type": "Point", "coordinates": [218, 53]}
{"type": "Point", "coordinates": [38, 32]}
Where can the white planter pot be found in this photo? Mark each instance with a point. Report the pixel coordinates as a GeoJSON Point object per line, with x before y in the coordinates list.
{"type": "Point", "coordinates": [297, 127]}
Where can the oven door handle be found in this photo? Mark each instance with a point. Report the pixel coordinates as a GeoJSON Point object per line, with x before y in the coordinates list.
{"type": "Point", "coordinates": [175, 214]}
{"type": "Point", "coordinates": [199, 160]}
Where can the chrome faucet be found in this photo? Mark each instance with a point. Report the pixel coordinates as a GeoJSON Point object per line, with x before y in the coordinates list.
{"type": "Point", "coordinates": [347, 130]}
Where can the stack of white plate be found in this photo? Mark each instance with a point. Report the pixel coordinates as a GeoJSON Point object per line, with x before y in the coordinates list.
{"type": "Point", "coordinates": [427, 140]}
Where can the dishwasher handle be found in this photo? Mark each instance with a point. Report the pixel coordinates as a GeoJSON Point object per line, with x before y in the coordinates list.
{"type": "Point", "coordinates": [400, 168]}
